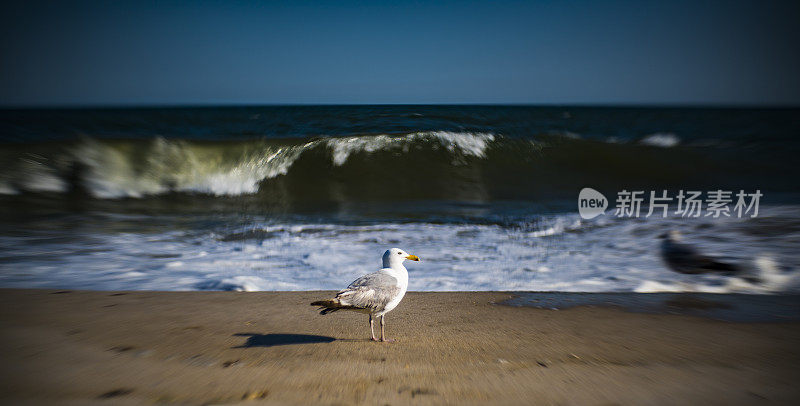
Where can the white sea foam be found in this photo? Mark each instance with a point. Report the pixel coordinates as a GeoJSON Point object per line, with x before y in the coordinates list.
{"type": "Point", "coordinates": [35, 175]}
{"type": "Point", "coordinates": [169, 165]}
{"type": "Point", "coordinates": [342, 148]}
{"type": "Point", "coordinates": [473, 144]}
{"type": "Point", "coordinates": [6, 189]}
{"type": "Point", "coordinates": [591, 256]}
{"type": "Point", "coordinates": [469, 144]}
{"type": "Point", "coordinates": [663, 140]}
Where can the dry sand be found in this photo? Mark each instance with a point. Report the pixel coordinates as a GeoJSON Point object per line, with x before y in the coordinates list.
{"type": "Point", "coordinates": [75, 347]}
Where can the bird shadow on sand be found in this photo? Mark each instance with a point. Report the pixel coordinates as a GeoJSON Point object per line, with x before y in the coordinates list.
{"type": "Point", "coordinates": [272, 340]}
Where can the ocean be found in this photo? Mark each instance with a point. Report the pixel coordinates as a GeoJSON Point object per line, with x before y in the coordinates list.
{"type": "Point", "coordinates": [309, 197]}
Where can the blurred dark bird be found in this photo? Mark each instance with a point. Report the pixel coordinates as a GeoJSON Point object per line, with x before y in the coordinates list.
{"type": "Point", "coordinates": [684, 258]}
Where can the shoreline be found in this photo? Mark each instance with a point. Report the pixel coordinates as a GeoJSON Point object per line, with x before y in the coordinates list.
{"type": "Point", "coordinates": [733, 307]}
{"type": "Point", "coordinates": [143, 347]}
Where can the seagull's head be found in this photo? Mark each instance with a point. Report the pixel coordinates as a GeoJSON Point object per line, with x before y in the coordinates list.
{"type": "Point", "coordinates": [396, 256]}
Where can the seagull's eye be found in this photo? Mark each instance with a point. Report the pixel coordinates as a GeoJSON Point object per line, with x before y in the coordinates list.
{"type": "Point", "coordinates": [399, 253]}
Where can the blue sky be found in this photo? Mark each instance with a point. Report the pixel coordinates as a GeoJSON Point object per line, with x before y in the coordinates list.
{"type": "Point", "coordinates": [584, 52]}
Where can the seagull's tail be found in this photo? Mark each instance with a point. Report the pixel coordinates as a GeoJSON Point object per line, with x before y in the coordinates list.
{"type": "Point", "coordinates": [328, 306]}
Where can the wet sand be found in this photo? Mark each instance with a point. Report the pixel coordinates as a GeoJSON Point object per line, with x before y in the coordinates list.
{"type": "Point", "coordinates": [75, 347]}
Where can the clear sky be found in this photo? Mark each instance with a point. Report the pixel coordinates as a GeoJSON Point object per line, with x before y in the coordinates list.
{"type": "Point", "coordinates": [586, 52]}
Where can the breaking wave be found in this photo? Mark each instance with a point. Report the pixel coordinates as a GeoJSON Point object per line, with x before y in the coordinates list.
{"type": "Point", "coordinates": [471, 166]}
{"type": "Point", "coordinates": [125, 168]}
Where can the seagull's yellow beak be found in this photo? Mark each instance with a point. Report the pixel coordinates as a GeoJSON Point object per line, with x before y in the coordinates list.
{"type": "Point", "coordinates": [413, 257]}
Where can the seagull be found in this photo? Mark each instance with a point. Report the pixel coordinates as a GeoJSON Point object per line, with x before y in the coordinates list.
{"type": "Point", "coordinates": [683, 258]}
{"type": "Point", "coordinates": [376, 293]}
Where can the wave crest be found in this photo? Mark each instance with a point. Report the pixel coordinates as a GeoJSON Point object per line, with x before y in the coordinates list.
{"type": "Point", "coordinates": [468, 144]}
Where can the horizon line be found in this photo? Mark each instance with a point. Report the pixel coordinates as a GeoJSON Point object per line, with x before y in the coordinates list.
{"type": "Point", "coordinates": [181, 105]}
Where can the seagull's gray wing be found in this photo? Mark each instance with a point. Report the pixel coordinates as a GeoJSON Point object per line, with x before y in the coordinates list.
{"type": "Point", "coordinates": [371, 292]}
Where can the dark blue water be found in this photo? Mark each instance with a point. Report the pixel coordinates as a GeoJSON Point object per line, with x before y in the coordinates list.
{"type": "Point", "coordinates": [226, 123]}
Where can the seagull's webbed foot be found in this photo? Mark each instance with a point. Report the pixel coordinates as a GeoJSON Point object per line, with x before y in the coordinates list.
{"type": "Point", "coordinates": [388, 340]}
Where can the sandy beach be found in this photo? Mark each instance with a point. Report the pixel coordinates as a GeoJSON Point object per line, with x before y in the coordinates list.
{"type": "Point", "coordinates": [87, 347]}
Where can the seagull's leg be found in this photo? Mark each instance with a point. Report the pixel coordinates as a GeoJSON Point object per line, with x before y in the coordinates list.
{"type": "Point", "coordinates": [371, 328]}
{"type": "Point", "coordinates": [383, 334]}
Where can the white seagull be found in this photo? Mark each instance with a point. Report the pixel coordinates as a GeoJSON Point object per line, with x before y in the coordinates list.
{"type": "Point", "coordinates": [376, 293]}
